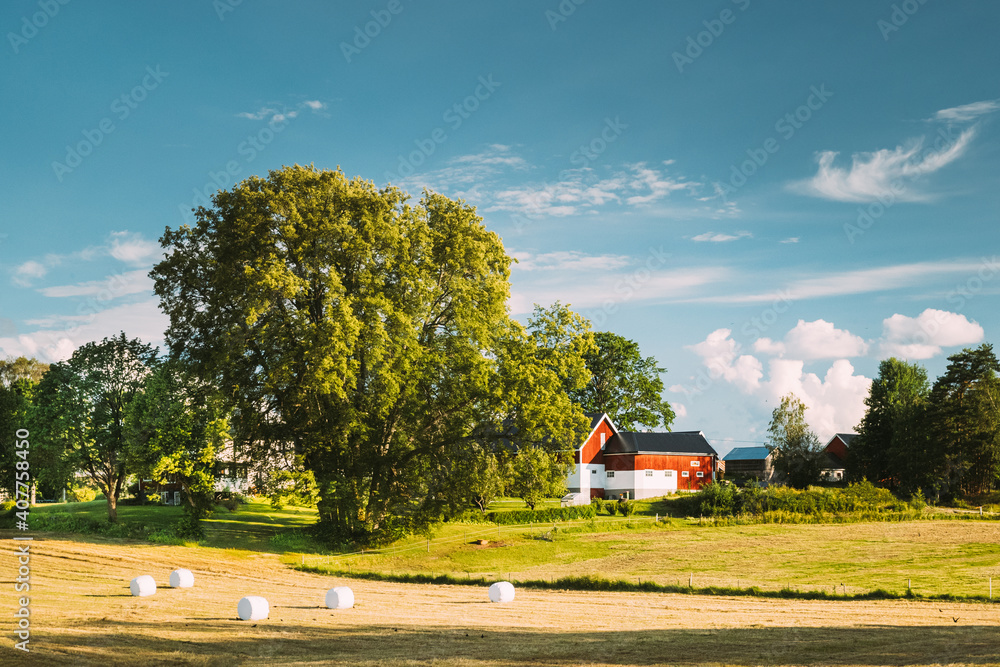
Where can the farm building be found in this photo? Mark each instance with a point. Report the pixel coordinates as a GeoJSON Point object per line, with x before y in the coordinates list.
{"type": "Point", "coordinates": [835, 456]}
{"type": "Point", "coordinates": [747, 462]}
{"type": "Point", "coordinates": [613, 464]}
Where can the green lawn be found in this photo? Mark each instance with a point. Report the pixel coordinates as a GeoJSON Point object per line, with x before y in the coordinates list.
{"type": "Point", "coordinates": [936, 557]}
{"type": "Point", "coordinates": [251, 527]}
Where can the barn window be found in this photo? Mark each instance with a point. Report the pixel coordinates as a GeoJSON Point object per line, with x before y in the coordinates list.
{"type": "Point", "coordinates": [611, 473]}
{"type": "Point", "coordinates": [685, 473]}
{"type": "Point", "coordinates": [668, 473]}
{"type": "Point", "coordinates": [593, 472]}
{"type": "Point", "coordinates": [649, 473]}
{"type": "Point", "coordinates": [603, 435]}
{"type": "Point", "coordinates": [695, 464]}
{"type": "Point", "coordinates": [701, 474]}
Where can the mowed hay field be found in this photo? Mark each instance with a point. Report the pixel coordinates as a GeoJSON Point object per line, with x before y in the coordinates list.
{"type": "Point", "coordinates": [82, 613]}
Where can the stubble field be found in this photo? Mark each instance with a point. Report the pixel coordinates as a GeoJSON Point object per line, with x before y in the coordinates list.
{"type": "Point", "coordinates": [83, 614]}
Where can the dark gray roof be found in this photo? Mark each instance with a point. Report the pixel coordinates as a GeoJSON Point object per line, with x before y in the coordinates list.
{"type": "Point", "coordinates": [678, 442]}
{"type": "Point", "coordinates": [747, 454]}
{"type": "Point", "coordinates": [595, 419]}
{"type": "Point", "coordinates": [847, 437]}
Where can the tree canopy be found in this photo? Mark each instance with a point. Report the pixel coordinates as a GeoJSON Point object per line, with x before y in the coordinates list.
{"type": "Point", "coordinates": [889, 448]}
{"type": "Point", "coordinates": [176, 428]}
{"type": "Point", "coordinates": [964, 427]}
{"type": "Point", "coordinates": [18, 381]}
{"type": "Point", "coordinates": [624, 385]}
{"type": "Point", "coordinates": [797, 449]}
{"type": "Point", "coordinates": [370, 333]}
{"type": "Point", "coordinates": [78, 418]}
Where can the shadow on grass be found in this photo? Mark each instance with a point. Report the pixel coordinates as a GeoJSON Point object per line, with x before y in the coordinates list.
{"type": "Point", "coordinates": [224, 641]}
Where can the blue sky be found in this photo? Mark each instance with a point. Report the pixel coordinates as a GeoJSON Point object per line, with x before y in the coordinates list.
{"type": "Point", "coordinates": [769, 198]}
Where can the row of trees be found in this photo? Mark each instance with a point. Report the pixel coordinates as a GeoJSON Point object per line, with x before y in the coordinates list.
{"type": "Point", "coordinates": [114, 410]}
{"type": "Point", "coordinates": [368, 334]}
{"type": "Point", "coordinates": [941, 440]}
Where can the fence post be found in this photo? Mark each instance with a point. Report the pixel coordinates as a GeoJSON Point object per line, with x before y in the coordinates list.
{"type": "Point", "coordinates": [991, 588]}
{"type": "Point", "coordinates": [691, 580]}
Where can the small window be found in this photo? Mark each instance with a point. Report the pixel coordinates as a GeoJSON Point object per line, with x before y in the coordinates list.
{"type": "Point", "coordinates": [685, 473]}
{"type": "Point", "coordinates": [603, 435]}
{"type": "Point", "coordinates": [701, 474]}
{"type": "Point", "coordinates": [611, 473]}
{"type": "Point", "coordinates": [695, 464]}
{"type": "Point", "coordinates": [649, 473]}
{"type": "Point", "coordinates": [593, 472]}
{"type": "Point", "coordinates": [668, 473]}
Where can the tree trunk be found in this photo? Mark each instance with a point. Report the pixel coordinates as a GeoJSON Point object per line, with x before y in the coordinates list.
{"type": "Point", "coordinates": [112, 508]}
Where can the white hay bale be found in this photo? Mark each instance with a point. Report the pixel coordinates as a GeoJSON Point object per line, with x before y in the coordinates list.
{"type": "Point", "coordinates": [181, 578]}
{"type": "Point", "coordinates": [253, 608]}
{"type": "Point", "coordinates": [340, 597]}
{"type": "Point", "coordinates": [502, 591]}
{"type": "Point", "coordinates": [142, 586]}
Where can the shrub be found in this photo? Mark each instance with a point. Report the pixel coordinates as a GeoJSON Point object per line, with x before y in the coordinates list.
{"type": "Point", "coordinates": [81, 494]}
{"type": "Point", "coordinates": [626, 507]}
{"type": "Point", "coordinates": [540, 516]}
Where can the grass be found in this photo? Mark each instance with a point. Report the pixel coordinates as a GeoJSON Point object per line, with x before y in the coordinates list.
{"type": "Point", "coordinates": [254, 526]}
{"type": "Point", "coordinates": [82, 614]}
{"type": "Point", "coordinates": [938, 558]}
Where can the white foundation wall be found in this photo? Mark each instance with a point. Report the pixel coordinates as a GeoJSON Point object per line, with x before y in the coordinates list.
{"type": "Point", "coordinates": [585, 476]}
{"type": "Point", "coordinates": [638, 485]}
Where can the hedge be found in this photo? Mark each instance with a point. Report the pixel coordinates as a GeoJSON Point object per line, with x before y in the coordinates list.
{"type": "Point", "coordinates": [515, 517]}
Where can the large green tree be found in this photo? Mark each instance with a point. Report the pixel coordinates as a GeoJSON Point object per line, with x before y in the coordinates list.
{"type": "Point", "coordinates": [797, 449]}
{"type": "Point", "coordinates": [78, 419]}
{"type": "Point", "coordinates": [18, 380]}
{"type": "Point", "coordinates": [369, 333]}
{"type": "Point", "coordinates": [176, 428]}
{"type": "Point", "coordinates": [965, 423]}
{"type": "Point", "coordinates": [624, 384]}
{"type": "Point", "coordinates": [890, 448]}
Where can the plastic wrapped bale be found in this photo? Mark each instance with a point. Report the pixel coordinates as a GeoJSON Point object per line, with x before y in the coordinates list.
{"type": "Point", "coordinates": [142, 586]}
{"type": "Point", "coordinates": [340, 597]}
{"type": "Point", "coordinates": [253, 608]}
{"type": "Point", "coordinates": [502, 591]}
{"type": "Point", "coordinates": [181, 578]}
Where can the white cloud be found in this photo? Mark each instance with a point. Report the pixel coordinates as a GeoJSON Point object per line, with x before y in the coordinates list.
{"type": "Point", "coordinates": [570, 261]}
{"type": "Point", "coordinates": [112, 287]}
{"type": "Point", "coordinates": [578, 191]}
{"type": "Point", "coordinates": [654, 184]}
{"type": "Point", "coordinates": [131, 248]}
{"type": "Point", "coordinates": [713, 237]}
{"type": "Point", "coordinates": [836, 401]}
{"type": "Point", "coordinates": [141, 320]}
{"type": "Point", "coordinates": [883, 173]}
{"type": "Point", "coordinates": [721, 355]}
{"type": "Point", "coordinates": [967, 112]}
{"type": "Point", "coordinates": [604, 282]}
{"type": "Point", "coordinates": [769, 347]}
{"type": "Point", "coordinates": [821, 340]}
{"type": "Point", "coordinates": [279, 112]}
{"type": "Point", "coordinates": [854, 282]}
{"type": "Point", "coordinates": [680, 410]}
{"type": "Point", "coordinates": [26, 273]}
{"type": "Point", "coordinates": [790, 239]}
{"type": "Point", "coordinates": [924, 336]}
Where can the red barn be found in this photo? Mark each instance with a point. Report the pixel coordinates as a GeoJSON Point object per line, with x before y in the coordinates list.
{"type": "Point", "coordinates": [613, 464]}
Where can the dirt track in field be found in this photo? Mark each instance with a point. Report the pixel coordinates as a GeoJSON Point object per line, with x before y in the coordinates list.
{"type": "Point", "coordinates": [83, 613]}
